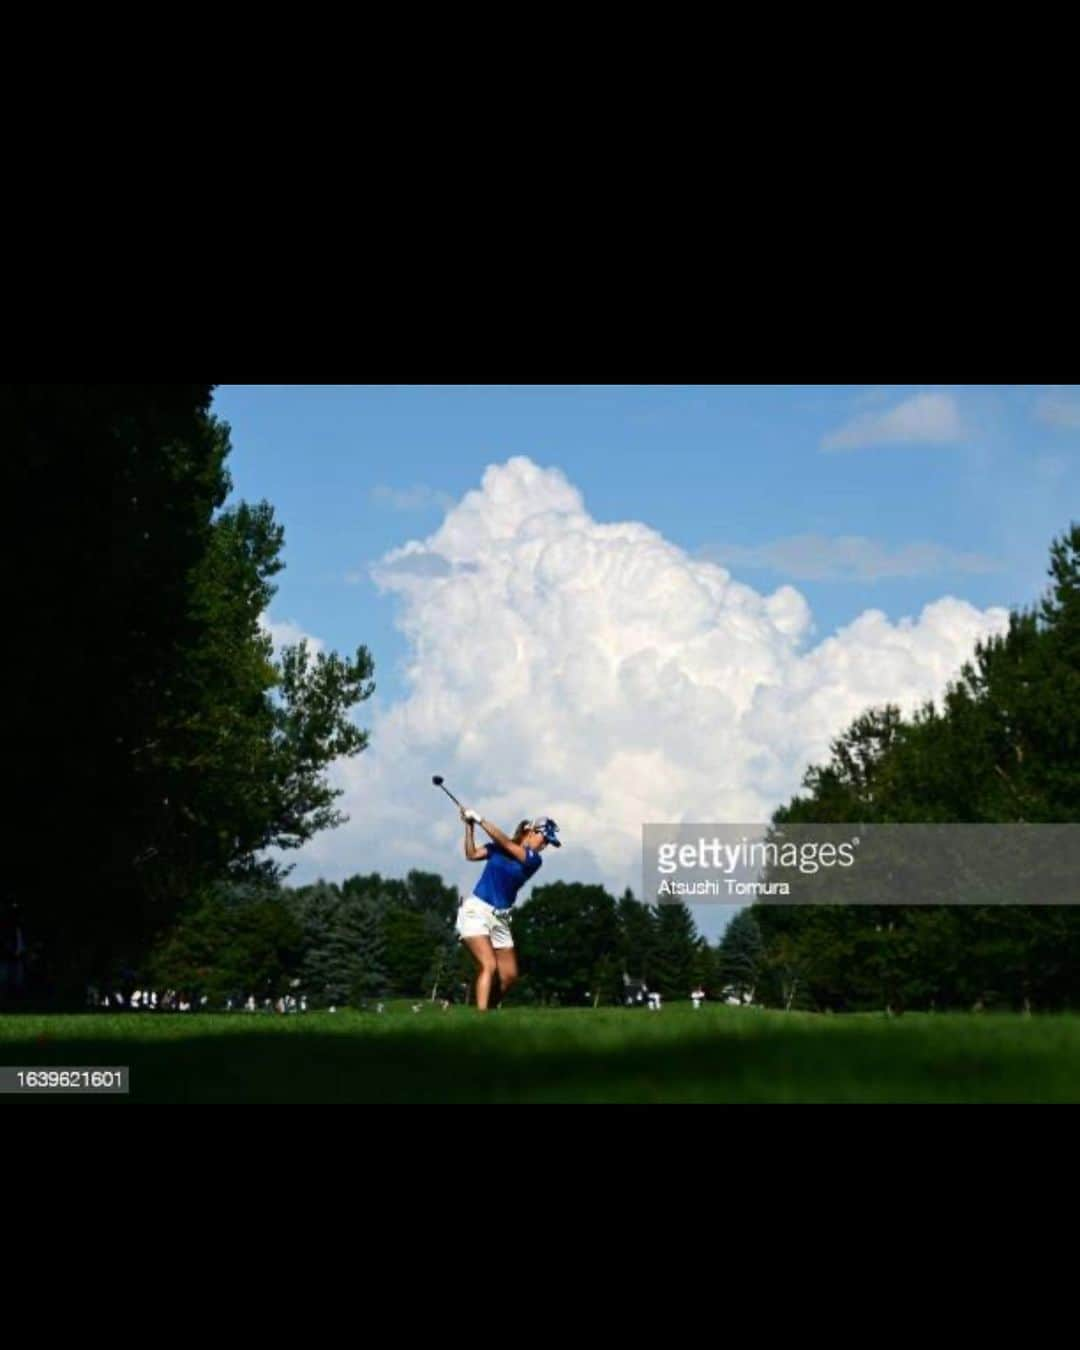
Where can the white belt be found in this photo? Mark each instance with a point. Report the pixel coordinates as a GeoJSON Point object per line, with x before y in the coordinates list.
{"type": "Point", "coordinates": [504, 912]}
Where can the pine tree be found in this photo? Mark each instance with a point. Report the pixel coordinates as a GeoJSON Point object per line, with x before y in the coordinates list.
{"type": "Point", "coordinates": [741, 955]}
{"type": "Point", "coordinates": [675, 955]}
{"type": "Point", "coordinates": [323, 975]}
{"type": "Point", "coordinates": [636, 936]}
{"type": "Point", "coordinates": [704, 972]}
{"type": "Point", "coordinates": [360, 933]}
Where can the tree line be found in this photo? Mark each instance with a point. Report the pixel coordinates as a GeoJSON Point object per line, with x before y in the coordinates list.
{"type": "Point", "coordinates": [1001, 746]}
{"type": "Point", "coordinates": [372, 937]}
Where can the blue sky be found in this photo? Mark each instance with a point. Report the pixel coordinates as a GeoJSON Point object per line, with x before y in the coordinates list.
{"type": "Point", "coordinates": [713, 468]}
{"type": "Point", "coordinates": [882, 498]}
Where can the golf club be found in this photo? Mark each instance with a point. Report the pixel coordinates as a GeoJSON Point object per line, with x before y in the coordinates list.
{"type": "Point", "coordinates": [438, 781]}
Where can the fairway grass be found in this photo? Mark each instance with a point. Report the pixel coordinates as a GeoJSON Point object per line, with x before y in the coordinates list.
{"type": "Point", "coordinates": [714, 1054]}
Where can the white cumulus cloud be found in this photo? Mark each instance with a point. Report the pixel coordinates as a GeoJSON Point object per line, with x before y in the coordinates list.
{"type": "Point", "coordinates": [600, 674]}
{"type": "Point", "coordinates": [922, 419]}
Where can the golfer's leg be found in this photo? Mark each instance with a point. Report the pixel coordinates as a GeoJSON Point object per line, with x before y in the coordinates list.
{"type": "Point", "coordinates": [506, 963]}
{"type": "Point", "coordinates": [484, 956]}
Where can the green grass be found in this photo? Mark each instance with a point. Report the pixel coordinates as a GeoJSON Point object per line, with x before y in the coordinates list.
{"type": "Point", "coordinates": [716, 1054]}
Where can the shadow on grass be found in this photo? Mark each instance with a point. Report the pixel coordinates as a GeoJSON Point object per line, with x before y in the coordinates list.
{"type": "Point", "coordinates": [772, 1061]}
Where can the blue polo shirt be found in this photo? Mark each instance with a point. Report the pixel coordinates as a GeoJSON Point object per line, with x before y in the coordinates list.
{"type": "Point", "coordinates": [503, 876]}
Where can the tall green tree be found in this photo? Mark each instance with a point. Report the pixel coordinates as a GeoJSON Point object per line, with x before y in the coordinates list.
{"type": "Point", "coordinates": [635, 936]}
{"type": "Point", "coordinates": [361, 925]}
{"type": "Point", "coordinates": [411, 943]}
{"type": "Point", "coordinates": [169, 748]}
{"type": "Point", "coordinates": [232, 942]}
{"type": "Point", "coordinates": [563, 930]}
{"type": "Point", "coordinates": [1000, 746]}
{"type": "Point", "coordinates": [123, 481]}
{"type": "Point", "coordinates": [705, 972]}
{"type": "Point", "coordinates": [344, 959]}
{"type": "Point", "coordinates": [672, 971]}
{"type": "Point", "coordinates": [741, 955]}
{"type": "Point", "coordinates": [324, 966]}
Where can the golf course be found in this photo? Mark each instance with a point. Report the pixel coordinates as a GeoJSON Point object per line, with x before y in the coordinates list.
{"type": "Point", "coordinates": [715, 1054]}
{"type": "Point", "coordinates": [474, 744]}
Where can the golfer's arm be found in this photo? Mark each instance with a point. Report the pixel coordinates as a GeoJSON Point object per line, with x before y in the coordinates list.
{"type": "Point", "coordinates": [515, 850]}
{"type": "Point", "coordinates": [473, 853]}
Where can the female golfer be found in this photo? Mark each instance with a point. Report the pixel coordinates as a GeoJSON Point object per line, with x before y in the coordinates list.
{"type": "Point", "coordinates": [483, 919]}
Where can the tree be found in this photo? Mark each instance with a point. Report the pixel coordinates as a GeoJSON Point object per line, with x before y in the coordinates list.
{"type": "Point", "coordinates": [233, 942]}
{"type": "Point", "coordinates": [361, 927]}
{"type": "Point", "coordinates": [563, 930]}
{"type": "Point", "coordinates": [605, 981]}
{"type": "Point", "coordinates": [411, 943]}
{"type": "Point", "coordinates": [192, 750]}
{"type": "Point", "coordinates": [324, 966]}
{"type": "Point", "coordinates": [741, 955]}
{"type": "Point", "coordinates": [124, 480]}
{"type": "Point", "coordinates": [451, 965]}
{"type": "Point", "coordinates": [636, 936]}
{"type": "Point", "coordinates": [426, 892]}
{"type": "Point", "coordinates": [788, 963]}
{"type": "Point", "coordinates": [343, 949]}
{"type": "Point", "coordinates": [1002, 746]}
{"type": "Point", "coordinates": [672, 970]}
{"type": "Point", "coordinates": [705, 971]}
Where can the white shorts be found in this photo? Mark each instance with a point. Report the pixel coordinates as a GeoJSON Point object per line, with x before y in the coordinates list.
{"type": "Point", "coordinates": [476, 918]}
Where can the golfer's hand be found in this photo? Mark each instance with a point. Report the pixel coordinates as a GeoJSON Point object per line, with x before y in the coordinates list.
{"type": "Point", "coordinates": [473, 817]}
